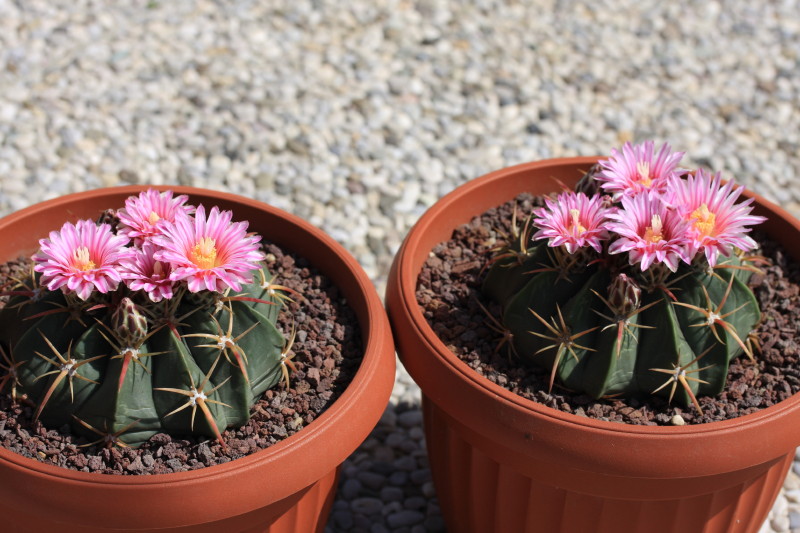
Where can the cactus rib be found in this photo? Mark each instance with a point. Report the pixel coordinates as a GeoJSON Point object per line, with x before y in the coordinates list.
{"type": "Point", "coordinates": [199, 398]}
{"type": "Point", "coordinates": [605, 324]}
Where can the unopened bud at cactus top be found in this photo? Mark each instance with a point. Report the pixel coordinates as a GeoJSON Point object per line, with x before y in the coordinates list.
{"type": "Point", "coordinates": [624, 295]}
{"type": "Point", "coordinates": [129, 359]}
{"type": "Point", "coordinates": [588, 184]}
{"type": "Point", "coordinates": [130, 325]}
{"type": "Point", "coordinates": [618, 270]}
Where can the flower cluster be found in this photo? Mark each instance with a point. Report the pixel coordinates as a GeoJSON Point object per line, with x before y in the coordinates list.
{"type": "Point", "coordinates": [160, 244]}
{"type": "Point", "coordinates": [654, 211]}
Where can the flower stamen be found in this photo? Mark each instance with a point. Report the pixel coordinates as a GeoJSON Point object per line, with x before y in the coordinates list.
{"type": "Point", "coordinates": [82, 259]}
{"type": "Point", "coordinates": [204, 253]}
{"type": "Point", "coordinates": [704, 220]}
{"type": "Point", "coordinates": [654, 232]}
{"type": "Point", "coordinates": [643, 169]}
{"type": "Point", "coordinates": [576, 226]}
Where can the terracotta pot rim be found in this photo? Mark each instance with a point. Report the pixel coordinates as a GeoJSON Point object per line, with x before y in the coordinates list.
{"type": "Point", "coordinates": [374, 326]}
{"type": "Point", "coordinates": [492, 392]}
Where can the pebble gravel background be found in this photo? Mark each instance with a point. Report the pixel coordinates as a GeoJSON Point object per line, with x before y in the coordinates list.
{"type": "Point", "coordinates": [358, 115]}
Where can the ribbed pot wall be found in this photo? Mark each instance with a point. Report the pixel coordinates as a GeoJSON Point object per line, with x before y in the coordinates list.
{"type": "Point", "coordinates": [481, 489]}
{"type": "Point", "coordinates": [502, 463]}
{"type": "Point", "coordinates": [286, 488]}
{"type": "Point", "coordinates": [305, 511]}
{"type": "Point", "coordinates": [309, 512]}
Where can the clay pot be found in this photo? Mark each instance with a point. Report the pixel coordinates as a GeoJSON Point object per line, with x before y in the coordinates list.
{"type": "Point", "coordinates": [288, 487]}
{"type": "Point", "coordinates": [503, 463]}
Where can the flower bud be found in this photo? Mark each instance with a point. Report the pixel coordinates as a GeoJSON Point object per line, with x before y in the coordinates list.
{"type": "Point", "coordinates": [624, 295]}
{"type": "Point", "coordinates": [588, 184]}
{"type": "Point", "coordinates": [129, 323]}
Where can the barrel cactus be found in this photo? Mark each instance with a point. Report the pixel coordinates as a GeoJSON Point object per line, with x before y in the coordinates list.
{"type": "Point", "coordinates": [635, 283]}
{"type": "Point", "coordinates": [163, 320]}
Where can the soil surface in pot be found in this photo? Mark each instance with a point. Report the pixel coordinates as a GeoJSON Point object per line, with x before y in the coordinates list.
{"type": "Point", "coordinates": [448, 291]}
{"type": "Point", "coordinates": [327, 353]}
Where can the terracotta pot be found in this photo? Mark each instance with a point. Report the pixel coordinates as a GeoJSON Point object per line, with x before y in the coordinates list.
{"type": "Point", "coordinates": [503, 463]}
{"type": "Point", "coordinates": [288, 487]}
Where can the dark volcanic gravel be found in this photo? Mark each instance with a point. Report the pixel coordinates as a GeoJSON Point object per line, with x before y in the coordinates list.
{"type": "Point", "coordinates": [448, 292]}
{"type": "Point", "coordinates": [327, 352]}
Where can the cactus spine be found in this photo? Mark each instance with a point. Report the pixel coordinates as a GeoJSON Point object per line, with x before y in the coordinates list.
{"type": "Point", "coordinates": [147, 321]}
{"type": "Point", "coordinates": [125, 370]}
{"type": "Point", "coordinates": [604, 326]}
{"type": "Point", "coordinates": [602, 334]}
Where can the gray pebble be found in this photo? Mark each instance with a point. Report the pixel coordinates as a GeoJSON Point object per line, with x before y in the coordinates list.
{"type": "Point", "coordinates": [419, 477]}
{"type": "Point", "coordinates": [409, 419]}
{"type": "Point", "coordinates": [404, 518]}
{"type": "Point", "coordinates": [391, 507]}
{"type": "Point", "coordinates": [367, 506]}
{"type": "Point", "coordinates": [382, 467]}
{"type": "Point", "coordinates": [340, 505]}
{"type": "Point", "coordinates": [409, 446]}
{"type": "Point", "coordinates": [363, 523]}
{"type": "Point", "coordinates": [428, 489]}
{"type": "Point", "coordinates": [398, 478]}
{"type": "Point", "coordinates": [358, 116]}
{"type": "Point", "coordinates": [384, 454]}
{"type": "Point", "coordinates": [350, 488]}
{"type": "Point", "coordinates": [395, 439]}
{"type": "Point", "coordinates": [416, 433]}
{"type": "Point", "coordinates": [406, 463]}
{"type": "Point", "coordinates": [389, 417]}
{"type": "Point", "coordinates": [371, 480]}
{"type": "Point", "coordinates": [392, 494]}
{"type": "Point", "coordinates": [415, 503]}
{"type": "Point", "coordinates": [342, 519]}
{"type": "Point", "coordinates": [794, 520]}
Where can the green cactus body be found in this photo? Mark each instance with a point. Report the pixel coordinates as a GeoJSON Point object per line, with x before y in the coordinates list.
{"type": "Point", "coordinates": [134, 397]}
{"type": "Point", "coordinates": [592, 348]}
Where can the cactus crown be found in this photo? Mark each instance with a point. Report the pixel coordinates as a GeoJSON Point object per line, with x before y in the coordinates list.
{"type": "Point", "coordinates": [128, 327]}
{"type": "Point", "coordinates": [633, 283]}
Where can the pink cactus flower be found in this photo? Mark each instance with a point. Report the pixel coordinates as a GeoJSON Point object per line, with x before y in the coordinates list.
{"type": "Point", "coordinates": [209, 253]}
{"type": "Point", "coordinates": [637, 169]}
{"type": "Point", "coordinates": [81, 258]}
{"type": "Point", "coordinates": [716, 223]}
{"type": "Point", "coordinates": [649, 231]}
{"type": "Point", "coordinates": [141, 271]}
{"type": "Point", "coordinates": [143, 215]}
{"type": "Point", "coordinates": [573, 220]}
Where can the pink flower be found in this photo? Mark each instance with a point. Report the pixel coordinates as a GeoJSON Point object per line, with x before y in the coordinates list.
{"type": "Point", "coordinates": [141, 271]}
{"type": "Point", "coordinates": [715, 223]}
{"type": "Point", "coordinates": [212, 253]}
{"type": "Point", "coordinates": [649, 231]}
{"type": "Point", "coordinates": [143, 215]}
{"type": "Point", "coordinates": [573, 220]}
{"type": "Point", "coordinates": [636, 170]}
{"type": "Point", "coordinates": [81, 258]}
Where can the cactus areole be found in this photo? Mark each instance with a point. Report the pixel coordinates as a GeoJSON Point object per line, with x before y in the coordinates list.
{"type": "Point", "coordinates": [635, 283]}
{"type": "Point", "coordinates": [159, 318]}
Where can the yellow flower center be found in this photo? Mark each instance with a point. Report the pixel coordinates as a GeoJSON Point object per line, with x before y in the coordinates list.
{"type": "Point", "coordinates": [82, 259]}
{"type": "Point", "coordinates": [643, 169]}
{"type": "Point", "coordinates": [153, 218]}
{"type": "Point", "coordinates": [576, 223]}
{"type": "Point", "coordinates": [204, 253]}
{"type": "Point", "coordinates": [704, 220]}
{"type": "Point", "coordinates": [653, 232]}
